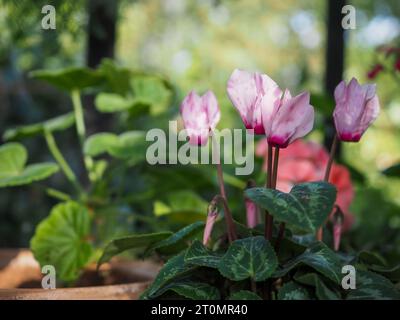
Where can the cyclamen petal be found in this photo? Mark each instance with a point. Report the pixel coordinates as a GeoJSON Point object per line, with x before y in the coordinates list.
{"type": "Point", "coordinates": [252, 94]}
{"type": "Point", "coordinates": [357, 107]}
{"type": "Point", "coordinates": [211, 218]}
{"type": "Point", "coordinates": [200, 115]}
{"type": "Point", "coordinates": [293, 120]}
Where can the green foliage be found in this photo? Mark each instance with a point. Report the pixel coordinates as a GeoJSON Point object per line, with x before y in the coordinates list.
{"type": "Point", "coordinates": [191, 290]}
{"type": "Point", "coordinates": [293, 291]}
{"type": "Point", "coordinates": [173, 270]}
{"type": "Point", "coordinates": [371, 286]}
{"type": "Point", "coordinates": [13, 169]}
{"type": "Point", "coordinates": [179, 240]}
{"type": "Point", "coordinates": [59, 123]}
{"type": "Point", "coordinates": [61, 240]}
{"type": "Point", "coordinates": [249, 258]}
{"type": "Point", "coordinates": [200, 255]}
{"type": "Point", "coordinates": [120, 245]}
{"type": "Point", "coordinates": [244, 295]}
{"type": "Point", "coordinates": [306, 207]}
{"type": "Point", "coordinates": [393, 171]}
{"type": "Point", "coordinates": [69, 79]}
{"type": "Point", "coordinates": [130, 146]}
{"type": "Point", "coordinates": [319, 257]}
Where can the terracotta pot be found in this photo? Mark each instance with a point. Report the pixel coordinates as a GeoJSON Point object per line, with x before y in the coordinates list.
{"type": "Point", "coordinates": [20, 278]}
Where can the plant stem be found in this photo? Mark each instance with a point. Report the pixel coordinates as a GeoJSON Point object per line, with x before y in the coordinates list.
{"type": "Point", "coordinates": [274, 182]}
{"type": "Point", "coordinates": [55, 151]}
{"type": "Point", "coordinates": [80, 125]}
{"type": "Point", "coordinates": [228, 215]}
{"type": "Point", "coordinates": [253, 285]}
{"type": "Point", "coordinates": [331, 157]}
{"type": "Point", "coordinates": [319, 233]}
{"type": "Point", "coordinates": [268, 218]}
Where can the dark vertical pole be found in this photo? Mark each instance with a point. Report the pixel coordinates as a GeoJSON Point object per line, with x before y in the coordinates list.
{"type": "Point", "coordinates": [101, 30]}
{"type": "Point", "coordinates": [100, 44]}
{"type": "Point", "coordinates": [334, 58]}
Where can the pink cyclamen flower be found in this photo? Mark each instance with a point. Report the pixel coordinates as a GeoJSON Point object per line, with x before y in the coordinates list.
{"type": "Point", "coordinates": [293, 119]}
{"type": "Point", "coordinates": [200, 115]}
{"type": "Point", "coordinates": [252, 94]}
{"type": "Point", "coordinates": [357, 107]}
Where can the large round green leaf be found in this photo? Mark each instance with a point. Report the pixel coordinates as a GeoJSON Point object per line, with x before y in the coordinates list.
{"type": "Point", "coordinates": [61, 240]}
{"type": "Point", "coordinates": [306, 207]}
{"type": "Point", "coordinates": [251, 257]}
{"type": "Point", "coordinates": [75, 78]}
{"type": "Point", "coordinates": [111, 102]}
{"type": "Point", "coordinates": [55, 124]}
{"type": "Point", "coordinates": [13, 171]}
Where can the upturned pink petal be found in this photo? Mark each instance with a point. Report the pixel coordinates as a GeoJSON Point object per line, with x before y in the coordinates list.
{"type": "Point", "coordinates": [293, 119]}
{"type": "Point", "coordinates": [211, 218]}
{"type": "Point", "coordinates": [200, 115]}
{"type": "Point", "coordinates": [251, 213]}
{"type": "Point", "coordinates": [357, 107]}
{"type": "Point", "coordinates": [337, 235]}
{"type": "Point", "coordinates": [253, 94]}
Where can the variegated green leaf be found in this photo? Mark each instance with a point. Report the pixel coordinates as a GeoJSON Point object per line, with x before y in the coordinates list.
{"type": "Point", "coordinates": [293, 291]}
{"type": "Point", "coordinates": [191, 290]}
{"type": "Point", "coordinates": [249, 258]}
{"type": "Point", "coordinates": [372, 286]}
{"type": "Point", "coordinates": [199, 255]}
{"type": "Point", "coordinates": [244, 295]}
{"type": "Point", "coordinates": [306, 206]}
{"type": "Point", "coordinates": [174, 270]}
{"type": "Point", "coordinates": [319, 257]}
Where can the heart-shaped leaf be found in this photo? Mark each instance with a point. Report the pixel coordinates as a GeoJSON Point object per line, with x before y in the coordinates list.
{"type": "Point", "coordinates": [251, 257]}
{"type": "Point", "coordinates": [319, 257]}
{"type": "Point", "coordinates": [321, 289]}
{"type": "Point", "coordinates": [306, 206]}
{"type": "Point", "coordinates": [70, 78]}
{"type": "Point", "coordinates": [61, 240]}
{"type": "Point", "coordinates": [120, 245]}
{"type": "Point", "coordinates": [55, 124]}
{"type": "Point", "coordinates": [99, 143]}
{"type": "Point", "coordinates": [244, 295]}
{"type": "Point", "coordinates": [199, 255]}
{"type": "Point", "coordinates": [372, 286]}
{"type": "Point", "coordinates": [13, 172]}
{"type": "Point", "coordinates": [174, 270]}
{"type": "Point", "coordinates": [191, 290]}
{"type": "Point", "coordinates": [293, 291]}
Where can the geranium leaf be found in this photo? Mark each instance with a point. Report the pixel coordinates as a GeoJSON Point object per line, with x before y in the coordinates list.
{"type": "Point", "coordinates": [61, 240]}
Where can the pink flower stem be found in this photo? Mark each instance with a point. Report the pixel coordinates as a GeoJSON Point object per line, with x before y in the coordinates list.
{"type": "Point", "coordinates": [319, 234]}
{"type": "Point", "coordinates": [268, 218]}
{"type": "Point", "coordinates": [228, 215]}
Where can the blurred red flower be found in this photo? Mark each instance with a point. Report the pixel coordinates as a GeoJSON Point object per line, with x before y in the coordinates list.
{"type": "Point", "coordinates": [305, 161]}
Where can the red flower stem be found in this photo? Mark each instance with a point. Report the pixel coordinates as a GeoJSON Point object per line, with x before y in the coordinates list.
{"type": "Point", "coordinates": [268, 218]}
{"type": "Point", "coordinates": [274, 181]}
{"type": "Point", "coordinates": [319, 233]}
{"type": "Point", "coordinates": [331, 157]}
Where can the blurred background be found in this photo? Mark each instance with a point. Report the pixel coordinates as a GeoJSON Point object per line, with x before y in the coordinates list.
{"type": "Point", "coordinates": [196, 44]}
